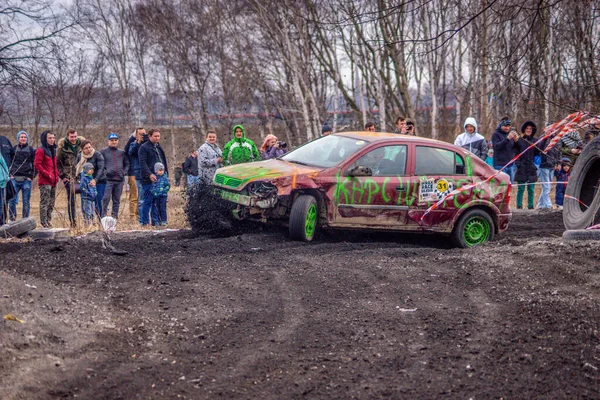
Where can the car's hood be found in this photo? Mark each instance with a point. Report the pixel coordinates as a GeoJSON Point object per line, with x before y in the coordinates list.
{"type": "Point", "coordinates": [237, 176]}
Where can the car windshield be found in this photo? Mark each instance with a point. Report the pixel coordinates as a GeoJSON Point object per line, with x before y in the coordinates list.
{"type": "Point", "coordinates": [325, 152]}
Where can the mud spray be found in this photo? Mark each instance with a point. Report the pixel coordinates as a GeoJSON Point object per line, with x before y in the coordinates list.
{"type": "Point", "coordinates": [208, 214]}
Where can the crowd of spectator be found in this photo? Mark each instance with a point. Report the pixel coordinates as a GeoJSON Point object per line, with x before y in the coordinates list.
{"type": "Point", "coordinates": [99, 176]}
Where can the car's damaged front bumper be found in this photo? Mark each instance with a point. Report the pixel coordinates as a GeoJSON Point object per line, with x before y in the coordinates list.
{"type": "Point", "coordinates": [246, 200]}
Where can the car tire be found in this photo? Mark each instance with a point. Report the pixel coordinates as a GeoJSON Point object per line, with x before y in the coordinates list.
{"type": "Point", "coordinates": [473, 228]}
{"type": "Point", "coordinates": [583, 185]}
{"type": "Point", "coordinates": [576, 235]}
{"type": "Point", "coordinates": [304, 218]}
{"type": "Point", "coordinates": [17, 228]}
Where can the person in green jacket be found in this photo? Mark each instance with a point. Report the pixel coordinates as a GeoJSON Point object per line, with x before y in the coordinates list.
{"type": "Point", "coordinates": [239, 149]}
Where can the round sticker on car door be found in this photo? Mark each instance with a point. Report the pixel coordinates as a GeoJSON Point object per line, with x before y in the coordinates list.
{"type": "Point", "coordinates": [443, 188]}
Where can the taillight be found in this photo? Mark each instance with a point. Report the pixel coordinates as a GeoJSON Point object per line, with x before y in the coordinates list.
{"type": "Point", "coordinates": [507, 196]}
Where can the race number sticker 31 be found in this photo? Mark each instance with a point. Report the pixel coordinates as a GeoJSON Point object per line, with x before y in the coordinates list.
{"type": "Point", "coordinates": [434, 190]}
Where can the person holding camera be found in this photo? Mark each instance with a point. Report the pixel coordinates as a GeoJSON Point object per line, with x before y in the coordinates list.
{"type": "Point", "coordinates": [410, 128]}
{"type": "Point", "coordinates": [272, 148]}
{"type": "Point", "coordinates": [504, 141]}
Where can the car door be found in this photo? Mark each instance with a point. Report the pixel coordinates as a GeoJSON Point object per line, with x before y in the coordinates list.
{"type": "Point", "coordinates": [437, 172]}
{"type": "Point", "coordinates": [375, 197]}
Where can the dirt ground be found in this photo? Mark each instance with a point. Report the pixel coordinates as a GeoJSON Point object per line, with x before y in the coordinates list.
{"type": "Point", "coordinates": [259, 316]}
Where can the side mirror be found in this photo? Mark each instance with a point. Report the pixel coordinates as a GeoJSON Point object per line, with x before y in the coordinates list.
{"type": "Point", "coordinates": [359, 170]}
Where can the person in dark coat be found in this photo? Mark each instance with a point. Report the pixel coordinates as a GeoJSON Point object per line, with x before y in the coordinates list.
{"type": "Point", "coordinates": [131, 180]}
{"type": "Point", "coordinates": [504, 141]}
{"type": "Point", "coordinates": [89, 154]}
{"type": "Point", "coordinates": [134, 160]}
{"type": "Point", "coordinates": [190, 168]}
{"type": "Point", "coordinates": [116, 164]}
{"type": "Point", "coordinates": [48, 176]}
{"type": "Point", "coordinates": [21, 174]}
{"type": "Point", "coordinates": [149, 154]}
{"type": "Point", "coordinates": [527, 173]}
{"type": "Point", "coordinates": [6, 149]}
{"type": "Point", "coordinates": [178, 174]}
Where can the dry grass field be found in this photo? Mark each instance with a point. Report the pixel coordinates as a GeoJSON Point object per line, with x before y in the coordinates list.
{"type": "Point", "coordinates": [175, 210]}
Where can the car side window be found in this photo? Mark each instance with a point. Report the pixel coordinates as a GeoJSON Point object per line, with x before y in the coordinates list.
{"type": "Point", "coordinates": [385, 161]}
{"type": "Point", "coordinates": [435, 161]}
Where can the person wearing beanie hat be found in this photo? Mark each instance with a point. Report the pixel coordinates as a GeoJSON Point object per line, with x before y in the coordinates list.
{"type": "Point", "coordinates": [504, 141]}
{"type": "Point", "coordinates": [160, 193]}
{"type": "Point", "coordinates": [326, 130]}
{"type": "Point", "coordinates": [88, 168]}
{"type": "Point", "coordinates": [527, 173]}
{"type": "Point", "coordinates": [21, 174]}
{"type": "Point", "coordinates": [471, 140]}
{"type": "Point", "coordinates": [89, 193]}
{"type": "Point", "coordinates": [116, 164]}
{"type": "Point", "coordinates": [562, 173]}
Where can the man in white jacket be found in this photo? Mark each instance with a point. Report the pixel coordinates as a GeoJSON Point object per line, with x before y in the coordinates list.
{"type": "Point", "coordinates": [471, 140]}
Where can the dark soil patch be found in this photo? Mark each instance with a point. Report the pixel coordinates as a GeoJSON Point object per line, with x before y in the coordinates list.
{"type": "Point", "coordinates": [258, 316]}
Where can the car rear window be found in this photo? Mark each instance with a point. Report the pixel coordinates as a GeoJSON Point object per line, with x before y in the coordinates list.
{"type": "Point", "coordinates": [436, 161]}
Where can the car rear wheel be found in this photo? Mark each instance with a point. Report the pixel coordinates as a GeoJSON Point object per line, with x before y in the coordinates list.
{"type": "Point", "coordinates": [474, 227]}
{"type": "Point", "coordinates": [303, 218]}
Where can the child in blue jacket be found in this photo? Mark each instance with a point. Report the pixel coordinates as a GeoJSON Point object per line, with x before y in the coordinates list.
{"type": "Point", "coordinates": [160, 193]}
{"type": "Point", "coordinates": [562, 172]}
{"type": "Point", "coordinates": [88, 193]}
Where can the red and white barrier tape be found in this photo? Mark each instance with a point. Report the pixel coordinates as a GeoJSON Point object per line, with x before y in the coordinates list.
{"type": "Point", "coordinates": [558, 130]}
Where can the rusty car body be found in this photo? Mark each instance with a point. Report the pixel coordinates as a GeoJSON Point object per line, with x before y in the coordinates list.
{"type": "Point", "coordinates": [375, 181]}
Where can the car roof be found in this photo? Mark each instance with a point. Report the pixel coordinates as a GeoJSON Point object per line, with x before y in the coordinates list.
{"type": "Point", "coordinates": [382, 136]}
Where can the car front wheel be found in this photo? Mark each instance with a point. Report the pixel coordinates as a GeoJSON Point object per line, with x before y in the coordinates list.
{"type": "Point", "coordinates": [474, 227]}
{"type": "Point", "coordinates": [303, 218]}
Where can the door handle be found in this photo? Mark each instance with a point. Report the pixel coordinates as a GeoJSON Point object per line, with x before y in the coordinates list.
{"type": "Point", "coordinates": [400, 189]}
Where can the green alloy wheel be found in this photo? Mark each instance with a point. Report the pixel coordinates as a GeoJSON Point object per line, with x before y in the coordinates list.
{"type": "Point", "coordinates": [477, 230]}
{"type": "Point", "coordinates": [303, 218]}
{"type": "Point", "coordinates": [474, 227]}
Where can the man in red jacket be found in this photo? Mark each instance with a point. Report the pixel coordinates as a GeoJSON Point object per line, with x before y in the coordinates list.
{"type": "Point", "coordinates": [45, 164]}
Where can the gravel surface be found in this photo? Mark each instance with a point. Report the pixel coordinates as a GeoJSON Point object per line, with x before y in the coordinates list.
{"type": "Point", "coordinates": [258, 316]}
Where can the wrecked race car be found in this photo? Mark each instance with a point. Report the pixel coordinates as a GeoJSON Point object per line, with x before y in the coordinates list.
{"type": "Point", "coordinates": [372, 181]}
